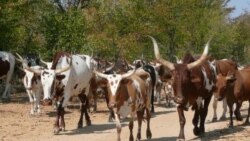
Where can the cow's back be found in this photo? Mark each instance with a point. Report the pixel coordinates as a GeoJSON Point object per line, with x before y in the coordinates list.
{"type": "Point", "coordinates": [225, 66]}
{"type": "Point", "coordinates": [77, 78]}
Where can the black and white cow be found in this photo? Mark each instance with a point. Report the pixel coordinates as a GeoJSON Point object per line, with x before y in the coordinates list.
{"type": "Point", "coordinates": [7, 63]}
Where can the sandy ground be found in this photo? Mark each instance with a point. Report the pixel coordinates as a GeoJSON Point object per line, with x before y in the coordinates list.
{"type": "Point", "coordinates": [16, 124]}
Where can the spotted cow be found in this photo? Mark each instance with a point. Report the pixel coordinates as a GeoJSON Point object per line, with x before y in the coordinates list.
{"type": "Point", "coordinates": [69, 75]}
{"type": "Point", "coordinates": [193, 84]}
{"type": "Point", "coordinates": [129, 93]}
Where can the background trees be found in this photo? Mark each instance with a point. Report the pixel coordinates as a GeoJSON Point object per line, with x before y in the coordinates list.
{"type": "Point", "coordinates": [112, 26]}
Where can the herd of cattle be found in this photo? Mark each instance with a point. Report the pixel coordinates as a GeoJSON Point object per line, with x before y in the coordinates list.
{"type": "Point", "coordinates": [130, 89]}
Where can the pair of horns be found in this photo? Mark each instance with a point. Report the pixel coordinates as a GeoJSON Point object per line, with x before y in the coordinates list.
{"type": "Point", "coordinates": [171, 65]}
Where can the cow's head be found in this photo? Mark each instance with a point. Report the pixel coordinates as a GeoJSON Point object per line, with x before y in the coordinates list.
{"type": "Point", "coordinates": [222, 82]}
{"type": "Point", "coordinates": [114, 83]}
{"type": "Point", "coordinates": [48, 77]}
{"type": "Point", "coordinates": [181, 73]}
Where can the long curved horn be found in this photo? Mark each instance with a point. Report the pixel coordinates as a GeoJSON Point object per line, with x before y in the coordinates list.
{"type": "Point", "coordinates": [101, 74]}
{"type": "Point", "coordinates": [158, 56]}
{"type": "Point", "coordinates": [201, 59]}
{"type": "Point", "coordinates": [20, 58]}
{"type": "Point", "coordinates": [65, 68]}
{"type": "Point", "coordinates": [110, 68]}
{"type": "Point", "coordinates": [128, 73]}
{"type": "Point", "coordinates": [44, 62]}
{"type": "Point", "coordinates": [178, 61]}
{"type": "Point", "coordinates": [33, 70]}
{"type": "Point", "coordinates": [25, 66]}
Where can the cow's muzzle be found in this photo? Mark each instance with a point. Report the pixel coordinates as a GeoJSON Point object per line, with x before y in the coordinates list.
{"type": "Point", "coordinates": [47, 102]}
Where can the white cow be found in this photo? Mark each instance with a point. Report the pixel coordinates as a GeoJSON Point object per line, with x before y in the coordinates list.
{"type": "Point", "coordinates": [68, 76]}
{"type": "Point", "coordinates": [33, 86]}
{"type": "Point", "coordinates": [7, 63]}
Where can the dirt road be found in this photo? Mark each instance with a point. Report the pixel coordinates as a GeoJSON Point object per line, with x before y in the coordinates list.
{"type": "Point", "coordinates": [16, 124]}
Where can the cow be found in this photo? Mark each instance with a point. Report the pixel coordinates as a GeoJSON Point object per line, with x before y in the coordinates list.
{"type": "Point", "coordinates": [32, 84]}
{"type": "Point", "coordinates": [129, 93]}
{"type": "Point", "coordinates": [154, 79]}
{"type": "Point", "coordinates": [7, 63]}
{"type": "Point", "coordinates": [223, 67]}
{"type": "Point", "coordinates": [68, 76]}
{"type": "Point", "coordinates": [193, 84]}
{"type": "Point", "coordinates": [235, 86]}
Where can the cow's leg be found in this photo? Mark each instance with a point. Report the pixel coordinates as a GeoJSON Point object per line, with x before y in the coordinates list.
{"type": "Point", "coordinates": [139, 118]}
{"type": "Point", "coordinates": [247, 119]}
{"type": "Point", "coordinates": [59, 110]}
{"type": "Point", "coordinates": [203, 114]}
{"type": "Point", "coordinates": [6, 91]}
{"type": "Point", "coordinates": [131, 126]}
{"type": "Point", "coordinates": [230, 106]}
{"type": "Point", "coordinates": [84, 106]}
{"type": "Point", "coordinates": [148, 132]}
{"type": "Point", "coordinates": [152, 101]}
{"type": "Point", "coordinates": [111, 113]}
{"type": "Point", "coordinates": [195, 121]}
{"type": "Point", "coordinates": [87, 118]}
{"type": "Point", "coordinates": [38, 97]}
{"type": "Point", "coordinates": [215, 110]}
{"type": "Point", "coordinates": [118, 127]}
{"type": "Point", "coordinates": [31, 102]}
{"type": "Point", "coordinates": [182, 121]}
{"type": "Point", "coordinates": [237, 111]}
{"type": "Point", "coordinates": [223, 116]}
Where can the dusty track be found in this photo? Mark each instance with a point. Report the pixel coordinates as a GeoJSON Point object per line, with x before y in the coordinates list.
{"type": "Point", "coordinates": [17, 125]}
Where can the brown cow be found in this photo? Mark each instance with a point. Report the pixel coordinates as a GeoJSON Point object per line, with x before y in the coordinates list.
{"type": "Point", "coordinates": [193, 81]}
{"type": "Point", "coordinates": [236, 88]}
{"type": "Point", "coordinates": [129, 93]}
{"type": "Point", "coordinates": [223, 67]}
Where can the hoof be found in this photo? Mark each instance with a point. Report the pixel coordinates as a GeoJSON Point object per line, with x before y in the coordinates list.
{"type": "Point", "coordinates": [230, 126]}
{"type": "Point", "coordinates": [239, 118]}
{"type": "Point", "coordinates": [88, 123]}
{"type": "Point", "coordinates": [152, 111]}
{"type": "Point", "coordinates": [138, 138]}
{"type": "Point", "coordinates": [131, 138]}
{"type": "Point", "coordinates": [149, 134]}
{"type": "Point", "coordinates": [180, 139]}
{"type": "Point", "coordinates": [196, 131]}
{"type": "Point", "coordinates": [79, 126]}
{"type": "Point", "coordinates": [214, 119]}
{"type": "Point", "coordinates": [246, 123]}
{"type": "Point", "coordinates": [56, 131]}
{"type": "Point", "coordinates": [223, 118]}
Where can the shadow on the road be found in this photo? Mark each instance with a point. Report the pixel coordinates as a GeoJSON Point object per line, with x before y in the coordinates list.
{"type": "Point", "coordinates": [218, 134]}
{"type": "Point", "coordinates": [94, 128]}
{"type": "Point", "coordinates": [162, 139]}
{"type": "Point", "coordinates": [53, 113]}
{"type": "Point", "coordinates": [161, 113]}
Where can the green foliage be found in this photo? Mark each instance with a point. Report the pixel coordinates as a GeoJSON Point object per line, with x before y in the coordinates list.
{"type": "Point", "coordinates": [109, 27]}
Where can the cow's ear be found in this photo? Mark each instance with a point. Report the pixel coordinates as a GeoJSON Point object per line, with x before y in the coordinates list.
{"type": "Point", "coordinates": [126, 81]}
{"type": "Point", "coordinates": [60, 77]}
